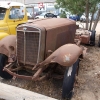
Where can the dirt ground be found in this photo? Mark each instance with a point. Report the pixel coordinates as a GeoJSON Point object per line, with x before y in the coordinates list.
{"type": "Point", "coordinates": [88, 80]}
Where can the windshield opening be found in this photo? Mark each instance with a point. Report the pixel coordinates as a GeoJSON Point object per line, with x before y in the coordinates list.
{"type": "Point", "coordinates": [2, 13]}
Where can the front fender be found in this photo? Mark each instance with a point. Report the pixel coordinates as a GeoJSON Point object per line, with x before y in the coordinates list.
{"type": "Point", "coordinates": [8, 47]}
{"type": "Point", "coordinates": [2, 35]}
{"type": "Point", "coordinates": [66, 55]}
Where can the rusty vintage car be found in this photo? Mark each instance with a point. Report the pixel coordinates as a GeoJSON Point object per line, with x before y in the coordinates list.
{"type": "Point", "coordinates": [45, 48]}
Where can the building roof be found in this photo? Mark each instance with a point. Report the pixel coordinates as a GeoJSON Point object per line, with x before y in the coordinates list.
{"type": "Point", "coordinates": [38, 1]}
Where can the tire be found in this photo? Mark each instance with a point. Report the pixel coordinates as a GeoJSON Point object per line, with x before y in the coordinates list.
{"type": "Point", "coordinates": [76, 19]}
{"type": "Point", "coordinates": [44, 16]}
{"type": "Point", "coordinates": [81, 20]}
{"type": "Point", "coordinates": [4, 74]}
{"type": "Point", "coordinates": [54, 17]}
{"type": "Point", "coordinates": [99, 41]}
{"type": "Point", "coordinates": [69, 79]}
{"type": "Point", "coordinates": [92, 38]}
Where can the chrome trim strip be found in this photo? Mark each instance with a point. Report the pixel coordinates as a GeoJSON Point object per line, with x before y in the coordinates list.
{"type": "Point", "coordinates": [29, 31]}
{"type": "Point", "coordinates": [24, 47]}
{"type": "Point", "coordinates": [16, 46]}
{"type": "Point", "coordinates": [39, 46]}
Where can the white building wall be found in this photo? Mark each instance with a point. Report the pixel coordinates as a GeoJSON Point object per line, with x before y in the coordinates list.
{"type": "Point", "coordinates": [22, 1]}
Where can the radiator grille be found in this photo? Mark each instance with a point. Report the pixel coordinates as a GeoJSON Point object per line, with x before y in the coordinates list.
{"type": "Point", "coordinates": [31, 47]}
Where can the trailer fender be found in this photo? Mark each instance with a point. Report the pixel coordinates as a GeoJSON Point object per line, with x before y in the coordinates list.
{"type": "Point", "coordinates": [8, 47]}
{"type": "Point", "coordinates": [66, 55]}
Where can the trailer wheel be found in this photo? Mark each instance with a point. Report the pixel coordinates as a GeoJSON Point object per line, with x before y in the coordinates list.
{"type": "Point", "coordinates": [92, 38]}
{"type": "Point", "coordinates": [4, 74]}
{"type": "Point", "coordinates": [69, 79]}
{"type": "Point", "coordinates": [99, 41]}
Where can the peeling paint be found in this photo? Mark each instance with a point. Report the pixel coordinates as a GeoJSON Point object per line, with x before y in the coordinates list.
{"type": "Point", "coordinates": [67, 58]}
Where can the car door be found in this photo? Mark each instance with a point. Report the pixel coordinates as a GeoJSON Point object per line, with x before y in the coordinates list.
{"type": "Point", "coordinates": [50, 15]}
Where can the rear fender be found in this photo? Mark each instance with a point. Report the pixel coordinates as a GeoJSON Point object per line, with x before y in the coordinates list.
{"type": "Point", "coordinates": [66, 55]}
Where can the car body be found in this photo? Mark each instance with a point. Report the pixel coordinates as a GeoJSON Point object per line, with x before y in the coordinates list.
{"type": "Point", "coordinates": [46, 15]}
{"type": "Point", "coordinates": [11, 15]}
{"type": "Point", "coordinates": [50, 15]}
{"type": "Point", "coordinates": [44, 47]}
{"type": "Point", "coordinates": [40, 16]}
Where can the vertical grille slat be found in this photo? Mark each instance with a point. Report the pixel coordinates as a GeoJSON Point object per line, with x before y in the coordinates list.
{"type": "Point", "coordinates": [32, 47]}
{"type": "Point", "coordinates": [20, 46]}
{"type": "Point", "coordinates": [32, 43]}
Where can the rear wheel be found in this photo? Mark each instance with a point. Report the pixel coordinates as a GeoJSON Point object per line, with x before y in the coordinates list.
{"type": "Point", "coordinates": [54, 17]}
{"type": "Point", "coordinates": [3, 60]}
{"type": "Point", "coordinates": [69, 79]}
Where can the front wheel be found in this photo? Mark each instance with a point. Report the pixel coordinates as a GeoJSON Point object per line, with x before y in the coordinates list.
{"type": "Point", "coordinates": [69, 79]}
{"type": "Point", "coordinates": [3, 60]}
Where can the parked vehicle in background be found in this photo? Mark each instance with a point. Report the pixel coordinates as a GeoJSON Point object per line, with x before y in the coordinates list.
{"type": "Point", "coordinates": [83, 18]}
{"type": "Point", "coordinates": [40, 16]}
{"type": "Point", "coordinates": [74, 17]}
{"type": "Point", "coordinates": [29, 15]}
{"type": "Point", "coordinates": [38, 13]}
{"type": "Point", "coordinates": [50, 15]}
{"type": "Point", "coordinates": [46, 15]}
{"type": "Point", "coordinates": [30, 12]}
{"type": "Point", "coordinates": [11, 15]}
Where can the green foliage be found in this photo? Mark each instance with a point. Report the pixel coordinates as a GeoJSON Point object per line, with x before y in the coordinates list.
{"type": "Point", "coordinates": [63, 14]}
{"type": "Point", "coordinates": [79, 7]}
{"type": "Point", "coordinates": [76, 6]}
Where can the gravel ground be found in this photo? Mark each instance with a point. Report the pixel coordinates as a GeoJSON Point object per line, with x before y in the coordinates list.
{"type": "Point", "coordinates": [88, 80]}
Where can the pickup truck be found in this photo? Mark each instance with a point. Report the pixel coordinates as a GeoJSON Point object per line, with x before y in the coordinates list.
{"type": "Point", "coordinates": [12, 14]}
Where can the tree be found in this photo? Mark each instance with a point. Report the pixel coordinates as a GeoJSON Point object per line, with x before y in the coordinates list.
{"type": "Point", "coordinates": [97, 19]}
{"type": "Point", "coordinates": [63, 14]}
{"type": "Point", "coordinates": [79, 7]}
